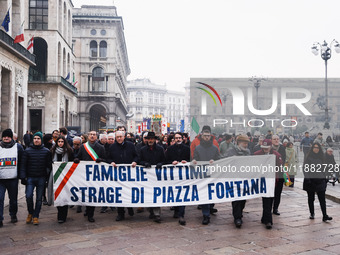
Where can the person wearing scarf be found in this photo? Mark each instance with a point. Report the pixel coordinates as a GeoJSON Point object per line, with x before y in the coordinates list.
{"type": "Point", "coordinates": [314, 181]}
{"type": "Point", "coordinates": [9, 174]}
{"type": "Point", "coordinates": [61, 152]}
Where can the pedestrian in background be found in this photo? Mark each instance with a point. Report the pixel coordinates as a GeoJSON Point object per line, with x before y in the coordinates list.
{"type": "Point", "coordinates": [291, 163]}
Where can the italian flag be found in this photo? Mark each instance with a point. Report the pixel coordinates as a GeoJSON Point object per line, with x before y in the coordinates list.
{"type": "Point", "coordinates": [20, 37]}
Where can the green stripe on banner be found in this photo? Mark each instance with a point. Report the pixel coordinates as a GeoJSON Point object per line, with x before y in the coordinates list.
{"type": "Point", "coordinates": [58, 172]}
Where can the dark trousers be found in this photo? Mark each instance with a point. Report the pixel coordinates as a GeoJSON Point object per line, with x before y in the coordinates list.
{"type": "Point", "coordinates": [38, 183]}
{"type": "Point", "coordinates": [180, 210]}
{"type": "Point", "coordinates": [267, 204]}
{"type": "Point", "coordinates": [206, 209]}
{"type": "Point", "coordinates": [278, 191]}
{"type": "Point", "coordinates": [322, 201]}
{"type": "Point", "coordinates": [90, 211]}
{"type": "Point", "coordinates": [62, 212]}
{"type": "Point", "coordinates": [121, 210]}
{"type": "Point", "coordinates": [11, 186]}
{"type": "Point", "coordinates": [238, 207]}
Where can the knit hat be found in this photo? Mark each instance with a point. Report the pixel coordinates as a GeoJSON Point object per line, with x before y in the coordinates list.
{"type": "Point", "coordinates": [206, 128]}
{"type": "Point", "coordinates": [39, 134]}
{"type": "Point", "coordinates": [7, 132]}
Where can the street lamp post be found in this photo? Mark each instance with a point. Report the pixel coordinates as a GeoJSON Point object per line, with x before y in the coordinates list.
{"type": "Point", "coordinates": [326, 54]}
{"type": "Point", "coordinates": [257, 83]}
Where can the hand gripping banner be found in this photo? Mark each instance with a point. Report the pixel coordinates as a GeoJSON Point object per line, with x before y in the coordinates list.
{"type": "Point", "coordinates": [225, 180]}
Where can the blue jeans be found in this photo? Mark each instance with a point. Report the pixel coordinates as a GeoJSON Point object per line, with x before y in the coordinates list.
{"type": "Point", "coordinates": [39, 184]}
{"type": "Point", "coordinates": [206, 209]}
{"type": "Point", "coordinates": [12, 186]}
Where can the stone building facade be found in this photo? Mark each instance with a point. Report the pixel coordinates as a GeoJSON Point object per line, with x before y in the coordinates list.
{"type": "Point", "coordinates": [52, 98]}
{"type": "Point", "coordinates": [15, 62]}
{"type": "Point", "coordinates": [102, 67]}
{"type": "Point", "coordinates": [146, 99]}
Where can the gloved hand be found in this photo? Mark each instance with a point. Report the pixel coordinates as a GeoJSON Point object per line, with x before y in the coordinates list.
{"type": "Point", "coordinates": [159, 165]}
{"type": "Point", "coordinates": [99, 160]}
{"type": "Point", "coordinates": [23, 181]}
{"type": "Point", "coordinates": [147, 165]}
{"type": "Point", "coordinates": [76, 160]}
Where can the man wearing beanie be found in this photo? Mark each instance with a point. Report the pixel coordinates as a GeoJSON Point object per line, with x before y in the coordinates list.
{"type": "Point", "coordinates": [10, 158]}
{"type": "Point", "coordinates": [35, 168]}
{"type": "Point", "coordinates": [198, 140]}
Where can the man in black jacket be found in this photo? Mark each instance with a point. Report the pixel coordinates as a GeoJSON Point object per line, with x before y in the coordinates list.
{"type": "Point", "coordinates": [152, 154]}
{"type": "Point", "coordinates": [122, 152]}
{"type": "Point", "coordinates": [178, 153]}
{"type": "Point", "coordinates": [10, 158]}
{"type": "Point", "coordinates": [91, 151]}
{"type": "Point", "coordinates": [35, 168]}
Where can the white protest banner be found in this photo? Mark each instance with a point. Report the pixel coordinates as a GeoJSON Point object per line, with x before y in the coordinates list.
{"type": "Point", "coordinates": [89, 183]}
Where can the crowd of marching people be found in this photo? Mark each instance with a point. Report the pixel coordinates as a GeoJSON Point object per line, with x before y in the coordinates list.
{"type": "Point", "coordinates": [33, 162]}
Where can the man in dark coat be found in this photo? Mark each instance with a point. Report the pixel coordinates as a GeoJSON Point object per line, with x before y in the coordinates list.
{"type": "Point", "coordinates": [35, 168]}
{"type": "Point", "coordinates": [11, 152]}
{"type": "Point", "coordinates": [178, 153]}
{"type": "Point", "coordinates": [279, 182]}
{"type": "Point", "coordinates": [122, 152]}
{"type": "Point", "coordinates": [64, 132]}
{"type": "Point", "coordinates": [84, 154]}
{"type": "Point", "coordinates": [152, 154]}
{"type": "Point", "coordinates": [241, 149]}
{"type": "Point", "coordinates": [267, 202]}
{"type": "Point", "coordinates": [206, 151]}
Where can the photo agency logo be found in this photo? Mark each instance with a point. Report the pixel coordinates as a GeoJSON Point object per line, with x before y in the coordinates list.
{"type": "Point", "coordinates": [239, 104]}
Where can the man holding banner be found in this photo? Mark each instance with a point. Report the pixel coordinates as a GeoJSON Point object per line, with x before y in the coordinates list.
{"type": "Point", "coordinates": [152, 154]}
{"type": "Point", "coordinates": [122, 152]}
{"type": "Point", "coordinates": [91, 151]}
{"type": "Point", "coordinates": [206, 151]}
{"type": "Point", "coordinates": [178, 153]}
{"type": "Point", "coordinates": [267, 202]}
{"type": "Point", "coordinates": [241, 149]}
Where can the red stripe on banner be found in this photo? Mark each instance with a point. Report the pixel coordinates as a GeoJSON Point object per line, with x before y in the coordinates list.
{"type": "Point", "coordinates": [65, 180]}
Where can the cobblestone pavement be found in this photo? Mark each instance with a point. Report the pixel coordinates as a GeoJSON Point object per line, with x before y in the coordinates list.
{"type": "Point", "coordinates": [293, 232]}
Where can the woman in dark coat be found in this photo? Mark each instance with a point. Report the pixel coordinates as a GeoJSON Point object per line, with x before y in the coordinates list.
{"type": "Point", "coordinates": [315, 181]}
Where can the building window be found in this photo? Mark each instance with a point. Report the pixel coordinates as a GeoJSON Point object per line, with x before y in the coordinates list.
{"type": "Point", "coordinates": [93, 49]}
{"type": "Point", "coordinates": [103, 32]}
{"type": "Point", "coordinates": [38, 14]}
{"type": "Point", "coordinates": [98, 83]}
{"type": "Point", "coordinates": [102, 49]}
{"type": "Point", "coordinates": [93, 32]}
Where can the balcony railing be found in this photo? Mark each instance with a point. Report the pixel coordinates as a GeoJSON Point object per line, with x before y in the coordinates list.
{"type": "Point", "coordinates": [9, 41]}
{"type": "Point", "coordinates": [52, 79]}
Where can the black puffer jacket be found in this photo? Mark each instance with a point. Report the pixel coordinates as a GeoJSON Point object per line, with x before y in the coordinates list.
{"type": "Point", "coordinates": [124, 153]}
{"type": "Point", "coordinates": [36, 162]}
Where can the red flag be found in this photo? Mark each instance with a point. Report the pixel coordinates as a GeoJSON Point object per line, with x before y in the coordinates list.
{"type": "Point", "coordinates": [20, 37]}
{"type": "Point", "coordinates": [30, 45]}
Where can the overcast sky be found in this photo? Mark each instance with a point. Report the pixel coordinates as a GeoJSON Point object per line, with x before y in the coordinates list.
{"type": "Point", "coordinates": [171, 41]}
